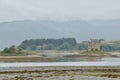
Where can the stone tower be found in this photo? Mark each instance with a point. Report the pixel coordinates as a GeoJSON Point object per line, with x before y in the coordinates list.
{"type": "Point", "coordinates": [94, 44]}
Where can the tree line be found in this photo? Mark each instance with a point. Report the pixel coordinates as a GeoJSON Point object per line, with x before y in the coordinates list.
{"type": "Point", "coordinates": [49, 44]}
{"type": "Point", "coordinates": [56, 44]}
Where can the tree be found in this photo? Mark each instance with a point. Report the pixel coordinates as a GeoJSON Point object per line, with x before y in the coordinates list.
{"type": "Point", "coordinates": [12, 50]}
{"type": "Point", "coordinates": [64, 46]}
{"type": "Point", "coordinates": [6, 50]}
{"type": "Point", "coordinates": [49, 44]}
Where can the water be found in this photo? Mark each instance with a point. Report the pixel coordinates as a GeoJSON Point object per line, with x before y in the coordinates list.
{"type": "Point", "coordinates": [110, 59]}
{"type": "Point", "coordinates": [84, 59]}
{"type": "Point", "coordinates": [68, 61]}
{"type": "Point", "coordinates": [38, 64]}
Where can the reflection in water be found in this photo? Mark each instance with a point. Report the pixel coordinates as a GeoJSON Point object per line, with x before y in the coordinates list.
{"type": "Point", "coordinates": [76, 59]}
{"type": "Point", "coordinates": [111, 59]}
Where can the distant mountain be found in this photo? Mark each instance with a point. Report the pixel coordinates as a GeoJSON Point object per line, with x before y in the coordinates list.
{"type": "Point", "coordinates": [17, 31]}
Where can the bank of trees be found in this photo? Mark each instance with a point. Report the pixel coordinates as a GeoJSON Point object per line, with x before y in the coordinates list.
{"type": "Point", "coordinates": [49, 44]}
{"type": "Point", "coordinates": [110, 47]}
{"type": "Point", "coordinates": [63, 44]}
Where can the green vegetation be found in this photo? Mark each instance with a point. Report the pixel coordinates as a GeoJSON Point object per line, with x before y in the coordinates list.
{"type": "Point", "coordinates": [96, 53]}
{"type": "Point", "coordinates": [82, 46]}
{"type": "Point", "coordinates": [13, 50]}
{"type": "Point", "coordinates": [115, 46]}
{"type": "Point", "coordinates": [107, 46]}
{"type": "Point", "coordinates": [49, 44]}
{"type": "Point", "coordinates": [65, 44]}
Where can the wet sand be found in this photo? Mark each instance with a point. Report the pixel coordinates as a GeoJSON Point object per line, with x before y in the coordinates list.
{"type": "Point", "coordinates": [29, 58]}
{"type": "Point", "coordinates": [61, 73]}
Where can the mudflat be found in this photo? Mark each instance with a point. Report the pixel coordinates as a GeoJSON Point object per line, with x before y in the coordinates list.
{"type": "Point", "coordinates": [60, 73]}
{"type": "Point", "coordinates": [29, 58]}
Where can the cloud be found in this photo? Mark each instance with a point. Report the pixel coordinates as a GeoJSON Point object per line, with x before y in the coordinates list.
{"type": "Point", "coordinates": [59, 9]}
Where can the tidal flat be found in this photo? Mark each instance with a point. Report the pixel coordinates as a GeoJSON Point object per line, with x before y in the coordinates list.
{"type": "Point", "coordinates": [61, 73]}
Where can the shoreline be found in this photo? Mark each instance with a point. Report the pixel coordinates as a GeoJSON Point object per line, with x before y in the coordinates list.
{"type": "Point", "coordinates": [61, 73]}
{"type": "Point", "coordinates": [58, 68]}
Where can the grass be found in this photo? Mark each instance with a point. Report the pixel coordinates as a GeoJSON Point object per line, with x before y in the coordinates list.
{"type": "Point", "coordinates": [95, 53]}
{"type": "Point", "coordinates": [23, 53]}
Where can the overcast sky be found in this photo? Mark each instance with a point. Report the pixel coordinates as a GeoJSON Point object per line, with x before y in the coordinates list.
{"type": "Point", "coordinates": [11, 10]}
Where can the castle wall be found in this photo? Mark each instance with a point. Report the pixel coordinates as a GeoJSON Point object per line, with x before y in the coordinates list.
{"type": "Point", "coordinates": [94, 44]}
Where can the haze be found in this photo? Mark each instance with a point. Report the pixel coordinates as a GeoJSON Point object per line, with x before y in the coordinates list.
{"type": "Point", "coordinates": [11, 10]}
{"type": "Point", "coordinates": [81, 19]}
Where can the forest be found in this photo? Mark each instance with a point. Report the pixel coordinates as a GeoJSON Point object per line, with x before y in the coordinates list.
{"type": "Point", "coordinates": [64, 44]}
{"type": "Point", "coordinates": [49, 44]}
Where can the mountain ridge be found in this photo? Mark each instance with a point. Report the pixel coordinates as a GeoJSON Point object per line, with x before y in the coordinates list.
{"type": "Point", "coordinates": [17, 31]}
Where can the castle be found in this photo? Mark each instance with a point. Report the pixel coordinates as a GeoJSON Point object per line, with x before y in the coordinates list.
{"type": "Point", "coordinates": [94, 45]}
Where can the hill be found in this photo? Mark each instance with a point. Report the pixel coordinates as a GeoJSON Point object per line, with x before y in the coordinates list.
{"type": "Point", "coordinates": [12, 33]}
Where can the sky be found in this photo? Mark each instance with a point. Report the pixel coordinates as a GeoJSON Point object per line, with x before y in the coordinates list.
{"type": "Point", "coordinates": [11, 10]}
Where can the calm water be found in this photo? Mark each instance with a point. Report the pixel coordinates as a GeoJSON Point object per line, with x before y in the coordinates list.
{"type": "Point", "coordinates": [38, 64]}
{"type": "Point", "coordinates": [110, 59]}
{"type": "Point", "coordinates": [68, 62]}
{"type": "Point", "coordinates": [92, 59]}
